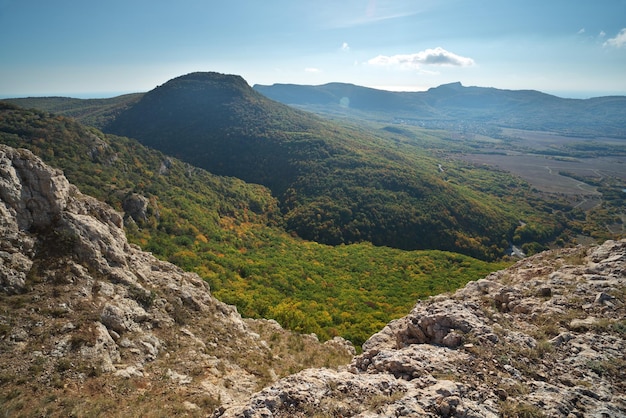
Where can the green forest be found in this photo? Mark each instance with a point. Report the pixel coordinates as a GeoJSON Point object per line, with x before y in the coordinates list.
{"type": "Point", "coordinates": [228, 232]}
{"type": "Point", "coordinates": [318, 260]}
{"type": "Point", "coordinates": [335, 184]}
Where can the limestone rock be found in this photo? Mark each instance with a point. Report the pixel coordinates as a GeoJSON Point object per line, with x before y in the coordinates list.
{"type": "Point", "coordinates": [504, 345]}
{"type": "Point", "coordinates": [32, 191]}
{"type": "Point", "coordinates": [83, 310]}
{"type": "Point", "coordinates": [136, 206]}
{"type": "Point", "coordinates": [341, 344]}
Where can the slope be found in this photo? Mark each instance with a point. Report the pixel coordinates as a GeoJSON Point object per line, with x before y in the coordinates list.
{"type": "Point", "coordinates": [93, 112]}
{"type": "Point", "coordinates": [335, 184]}
{"type": "Point", "coordinates": [92, 326]}
{"type": "Point", "coordinates": [544, 338]}
{"type": "Point", "coordinates": [222, 229]}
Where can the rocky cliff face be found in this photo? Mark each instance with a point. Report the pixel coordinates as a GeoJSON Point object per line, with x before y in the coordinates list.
{"type": "Point", "coordinates": [542, 338]}
{"type": "Point", "coordinates": [90, 325]}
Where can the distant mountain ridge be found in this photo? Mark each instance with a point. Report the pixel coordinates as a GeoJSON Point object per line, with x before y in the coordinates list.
{"type": "Point", "coordinates": [92, 112]}
{"type": "Point", "coordinates": [523, 109]}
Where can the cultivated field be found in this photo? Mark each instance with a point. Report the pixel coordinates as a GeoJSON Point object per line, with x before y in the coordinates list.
{"type": "Point", "coordinates": [530, 155]}
{"type": "Point", "coordinates": [544, 140]}
{"type": "Point", "coordinates": [543, 172]}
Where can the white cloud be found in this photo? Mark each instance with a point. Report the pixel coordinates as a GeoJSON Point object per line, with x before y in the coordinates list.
{"type": "Point", "coordinates": [312, 70]}
{"type": "Point", "coordinates": [436, 56]}
{"type": "Point", "coordinates": [619, 40]}
{"type": "Point", "coordinates": [602, 34]}
{"type": "Point", "coordinates": [580, 32]}
{"type": "Point", "coordinates": [345, 47]}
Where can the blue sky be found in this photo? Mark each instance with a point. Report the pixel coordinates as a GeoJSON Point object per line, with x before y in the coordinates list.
{"type": "Point", "coordinates": [85, 48]}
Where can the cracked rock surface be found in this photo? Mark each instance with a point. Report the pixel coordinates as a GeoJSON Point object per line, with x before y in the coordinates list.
{"type": "Point", "coordinates": [545, 337]}
{"type": "Point", "coordinates": [90, 325]}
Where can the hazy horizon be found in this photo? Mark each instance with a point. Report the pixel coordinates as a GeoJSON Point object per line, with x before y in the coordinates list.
{"type": "Point", "coordinates": [107, 95]}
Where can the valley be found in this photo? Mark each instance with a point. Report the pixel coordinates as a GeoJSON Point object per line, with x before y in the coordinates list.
{"type": "Point", "coordinates": [350, 228]}
{"type": "Point", "coordinates": [554, 163]}
{"type": "Point", "coordinates": [574, 160]}
{"type": "Point", "coordinates": [231, 234]}
{"type": "Point", "coordinates": [91, 325]}
{"type": "Point", "coordinates": [333, 225]}
{"type": "Point", "coordinates": [300, 209]}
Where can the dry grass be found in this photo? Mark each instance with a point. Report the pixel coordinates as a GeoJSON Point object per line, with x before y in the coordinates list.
{"type": "Point", "coordinates": [513, 409]}
{"type": "Point", "coordinates": [293, 352]}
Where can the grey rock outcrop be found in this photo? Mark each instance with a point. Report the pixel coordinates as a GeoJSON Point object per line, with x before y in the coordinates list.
{"type": "Point", "coordinates": [545, 337]}
{"type": "Point", "coordinates": [80, 306]}
{"type": "Point", "coordinates": [136, 207]}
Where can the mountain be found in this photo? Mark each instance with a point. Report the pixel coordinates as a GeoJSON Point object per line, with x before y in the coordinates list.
{"type": "Point", "coordinates": [90, 325]}
{"type": "Point", "coordinates": [347, 97]}
{"type": "Point", "coordinates": [339, 183]}
{"type": "Point", "coordinates": [335, 184]}
{"type": "Point", "coordinates": [544, 338]}
{"type": "Point", "coordinates": [217, 122]}
{"type": "Point", "coordinates": [455, 103]}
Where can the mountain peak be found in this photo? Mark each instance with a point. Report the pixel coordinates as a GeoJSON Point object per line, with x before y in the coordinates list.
{"type": "Point", "coordinates": [455, 85]}
{"type": "Point", "coordinates": [211, 77]}
{"type": "Point", "coordinates": [201, 88]}
{"type": "Point", "coordinates": [204, 117]}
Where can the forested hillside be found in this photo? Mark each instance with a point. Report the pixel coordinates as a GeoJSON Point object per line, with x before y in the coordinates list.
{"type": "Point", "coordinates": [225, 230]}
{"type": "Point", "coordinates": [332, 183]}
{"type": "Point", "coordinates": [92, 112]}
{"type": "Point", "coordinates": [336, 185]}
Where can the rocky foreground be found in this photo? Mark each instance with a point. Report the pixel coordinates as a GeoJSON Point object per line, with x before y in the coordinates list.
{"type": "Point", "coordinates": [542, 338]}
{"type": "Point", "coordinates": [93, 326]}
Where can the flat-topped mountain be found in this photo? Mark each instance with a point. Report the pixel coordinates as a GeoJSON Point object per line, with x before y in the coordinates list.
{"type": "Point", "coordinates": [217, 122]}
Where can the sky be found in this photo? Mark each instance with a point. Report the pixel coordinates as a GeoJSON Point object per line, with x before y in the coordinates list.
{"type": "Point", "coordinates": [89, 48]}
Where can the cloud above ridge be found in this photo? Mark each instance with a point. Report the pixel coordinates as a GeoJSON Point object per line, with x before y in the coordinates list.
{"type": "Point", "coordinates": [618, 41]}
{"type": "Point", "coordinates": [430, 56]}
